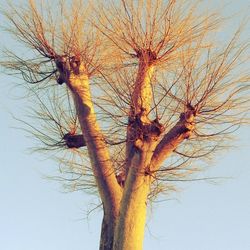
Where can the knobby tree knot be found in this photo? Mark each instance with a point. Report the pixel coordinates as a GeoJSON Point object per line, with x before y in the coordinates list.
{"type": "Point", "coordinates": [147, 55]}
{"type": "Point", "coordinates": [187, 122]}
{"type": "Point", "coordinates": [140, 132]}
{"type": "Point", "coordinates": [67, 65]}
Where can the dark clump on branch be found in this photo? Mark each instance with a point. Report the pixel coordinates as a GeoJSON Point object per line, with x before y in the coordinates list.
{"type": "Point", "coordinates": [75, 64]}
{"type": "Point", "coordinates": [187, 124]}
{"type": "Point", "coordinates": [61, 65]}
{"type": "Point", "coordinates": [74, 141]}
{"type": "Point", "coordinates": [144, 131]}
{"type": "Point", "coordinates": [65, 66]}
{"type": "Point", "coordinates": [121, 178]}
{"type": "Point", "coordinates": [148, 54]}
{"type": "Point", "coordinates": [60, 80]}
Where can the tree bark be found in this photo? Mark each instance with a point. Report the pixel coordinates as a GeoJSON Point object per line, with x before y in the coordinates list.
{"type": "Point", "coordinates": [109, 190]}
{"type": "Point", "coordinates": [107, 231]}
{"type": "Point", "coordinates": [129, 233]}
{"type": "Point", "coordinates": [175, 136]}
{"type": "Point", "coordinates": [140, 108]}
{"type": "Point", "coordinates": [142, 94]}
{"type": "Point", "coordinates": [129, 230]}
{"type": "Point", "coordinates": [102, 166]}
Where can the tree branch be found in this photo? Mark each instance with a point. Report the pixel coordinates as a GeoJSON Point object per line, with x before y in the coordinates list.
{"type": "Point", "coordinates": [181, 131]}
{"type": "Point", "coordinates": [103, 169]}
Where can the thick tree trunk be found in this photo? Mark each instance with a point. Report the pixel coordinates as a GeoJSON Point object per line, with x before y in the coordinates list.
{"type": "Point", "coordinates": [129, 232]}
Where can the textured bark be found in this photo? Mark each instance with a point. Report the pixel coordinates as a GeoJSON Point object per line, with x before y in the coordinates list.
{"type": "Point", "coordinates": [107, 231]}
{"type": "Point", "coordinates": [130, 227]}
{"type": "Point", "coordinates": [141, 104]}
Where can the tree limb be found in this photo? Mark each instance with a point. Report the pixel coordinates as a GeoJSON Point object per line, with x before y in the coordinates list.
{"type": "Point", "coordinates": [181, 131]}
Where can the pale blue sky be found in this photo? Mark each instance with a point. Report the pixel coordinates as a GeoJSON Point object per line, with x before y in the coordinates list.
{"type": "Point", "coordinates": [35, 214]}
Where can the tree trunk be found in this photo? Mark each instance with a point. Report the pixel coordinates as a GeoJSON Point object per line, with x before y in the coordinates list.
{"type": "Point", "coordinates": [107, 231]}
{"type": "Point", "coordinates": [129, 233]}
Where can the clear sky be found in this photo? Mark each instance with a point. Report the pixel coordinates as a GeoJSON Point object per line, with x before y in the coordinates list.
{"type": "Point", "coordinates": [35, 213]}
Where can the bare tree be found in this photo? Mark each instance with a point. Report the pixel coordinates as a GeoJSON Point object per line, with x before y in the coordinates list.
{"type": "Point", "coordinates": [146, 91]}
